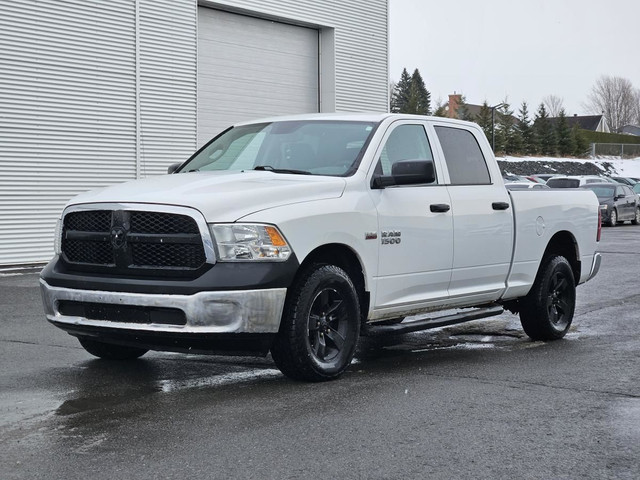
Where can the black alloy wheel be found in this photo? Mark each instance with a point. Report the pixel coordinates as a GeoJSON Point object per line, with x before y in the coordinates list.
{"type": "Point", "coordinates": [328, 325]}
{"type": "Point", "coordinates": [559, 300]}
{"type": "Point", "coordinates": [547, 311]}
{"type": "Point", "coordinates": [320, 325]}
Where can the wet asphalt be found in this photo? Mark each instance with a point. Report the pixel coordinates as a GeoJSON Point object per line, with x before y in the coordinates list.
{"type": "Point", "coordinates": [476, 401]}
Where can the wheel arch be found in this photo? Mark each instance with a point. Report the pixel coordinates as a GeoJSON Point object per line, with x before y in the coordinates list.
{"type": "Point", "coordinates": [565, 244]}
{"type": "Point", "coordinates": [346, 258]}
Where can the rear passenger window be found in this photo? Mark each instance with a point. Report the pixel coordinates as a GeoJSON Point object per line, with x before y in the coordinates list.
{"type": "Point", "coordinates": [463, 156]}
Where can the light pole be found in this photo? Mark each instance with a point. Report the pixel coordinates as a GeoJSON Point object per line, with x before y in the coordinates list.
{"type": "Point", "coordinates": [493, 125]}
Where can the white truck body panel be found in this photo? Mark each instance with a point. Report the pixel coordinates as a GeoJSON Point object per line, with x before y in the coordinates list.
{"type": "Point", "coordinates": [471, 255]}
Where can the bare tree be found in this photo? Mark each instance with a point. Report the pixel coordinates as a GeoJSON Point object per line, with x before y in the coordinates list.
{"type": "Point", "coordinates": [553, 104]}
{"type": "Point", "coordinates": [636, 115]}
{"type": "Point", "coordinates": [616, 99]}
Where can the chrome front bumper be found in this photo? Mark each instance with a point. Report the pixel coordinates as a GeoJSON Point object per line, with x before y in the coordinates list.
{"type": "Point", "coordinates": [241, 311]}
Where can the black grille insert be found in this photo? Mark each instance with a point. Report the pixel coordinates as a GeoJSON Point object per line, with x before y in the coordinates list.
{"type": "Point", "coordinates": [122, 313]}
{"type": "Point", "coordinates": [121, 241]}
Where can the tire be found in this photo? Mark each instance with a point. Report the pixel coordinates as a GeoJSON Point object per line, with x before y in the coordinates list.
{"type": "Point", "coordinates": [547, 311]}
{"type": "Point", "coordinates": [109, 351]}
{"type": "Point", "coordinates": [636, 219]}
{"type": "Point", "coordinates": [320, 325]}
{"type": "Point", "coordinates": [613, 218]}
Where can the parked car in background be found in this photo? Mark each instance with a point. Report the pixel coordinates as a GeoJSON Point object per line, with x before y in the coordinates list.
{"type": "Point", "coordinates": [625, 181]}
{"type": "Point", "coordinates": [574, 181]}
{"type": "Point", "coordinates": [544, 176]}
{"type": "Point", "coordinates": [526, 186]}
{"type": "Point", "coordinates": [509, 178]}
{"type": "Point", "coordinates": [617, 203]}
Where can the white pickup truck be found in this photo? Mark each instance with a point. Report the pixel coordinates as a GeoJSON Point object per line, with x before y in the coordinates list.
{"type": "Point", "coordinates": [296, 235]}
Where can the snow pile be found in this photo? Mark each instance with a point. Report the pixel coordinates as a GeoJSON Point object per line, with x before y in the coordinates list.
{"type": "Point", "coordinates": [628, 167]}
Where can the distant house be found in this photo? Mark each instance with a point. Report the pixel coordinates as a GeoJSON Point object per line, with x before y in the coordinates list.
{"type": "Point", "coordinates": [631, 130]}
{"type": "Point", "coordinates": [453, 105]}
{"type": "Point", "coordinates": [594, 123]}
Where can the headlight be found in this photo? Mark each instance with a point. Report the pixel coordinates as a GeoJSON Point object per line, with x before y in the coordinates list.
{"type": "Point", "coordinates": [57, 238]}
{"type": "Point", "coordinates": [603, 207]}
{"type": "Point", "coordinates": [245, 242]}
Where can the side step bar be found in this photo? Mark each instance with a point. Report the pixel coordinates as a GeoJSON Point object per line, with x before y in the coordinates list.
{"type": "Point", "coordinates": [425, 324]}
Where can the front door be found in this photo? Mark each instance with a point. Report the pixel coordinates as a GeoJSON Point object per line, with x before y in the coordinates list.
{"type": "Point", "coordinates": [415, 226]}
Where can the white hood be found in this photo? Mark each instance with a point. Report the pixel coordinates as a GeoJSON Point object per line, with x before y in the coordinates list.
{"type": "Point", "coordinates": [220, 196]}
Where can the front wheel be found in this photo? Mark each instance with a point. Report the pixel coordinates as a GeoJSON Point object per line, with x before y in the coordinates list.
{"type": "Point", "coordinates": [613, 219]}
{"type": "Point", "coordinates": [110, 351]}
{"type": "Point", "coordinates": [320, 325]}
{"type": "Point", "coordinates": [636, 219]}
{"type": "Point", "coordinates": [547, 311]}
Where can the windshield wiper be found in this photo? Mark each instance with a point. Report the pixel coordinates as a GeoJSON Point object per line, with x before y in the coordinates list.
{"type": "Point", "coordinates": [269, 168]}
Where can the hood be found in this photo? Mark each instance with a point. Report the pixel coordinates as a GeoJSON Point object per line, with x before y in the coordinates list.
{"type": "Point", "coordinates": [220, 196]}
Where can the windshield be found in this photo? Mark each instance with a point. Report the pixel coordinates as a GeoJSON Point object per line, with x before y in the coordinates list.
{"type": "Point", "coordinates": [602, 192]}
{"type": "Point", "coordinates": [304, 147]}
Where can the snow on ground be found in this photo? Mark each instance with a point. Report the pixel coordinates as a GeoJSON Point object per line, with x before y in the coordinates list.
{"type": "Point", "coordinates": [628, 167]}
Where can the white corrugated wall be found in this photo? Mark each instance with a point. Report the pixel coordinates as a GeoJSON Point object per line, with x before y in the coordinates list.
{"type": "Point", "coordinates": [94, 93]}
{"type": "Point", "coordinates": [168, 83]}
{"type": "Point", "coordinates": [69, 117]}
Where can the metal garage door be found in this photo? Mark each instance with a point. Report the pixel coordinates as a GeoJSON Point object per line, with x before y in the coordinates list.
{"type": "Point", "coordinates": [250, 68]}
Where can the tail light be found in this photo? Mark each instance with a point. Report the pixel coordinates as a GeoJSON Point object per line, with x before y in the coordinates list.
{"type": "Point", "coordinates": [599, 225]}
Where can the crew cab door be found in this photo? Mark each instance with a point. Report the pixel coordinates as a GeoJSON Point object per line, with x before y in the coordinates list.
{"type": "Point", "coordinates": [415, 227]}
{"type": "Point", "coordinates": [482, 214]}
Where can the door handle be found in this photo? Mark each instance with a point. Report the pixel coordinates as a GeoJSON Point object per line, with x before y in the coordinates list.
{"type": "Point", "coordinates": [439, 207]}
{"type": "Point", "coordinates": [500, 205]}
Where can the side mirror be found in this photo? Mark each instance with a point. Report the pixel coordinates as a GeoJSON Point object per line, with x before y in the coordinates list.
{"type": "Point", "coordinates": [407, 172]}
{"type": "Point", "coordinates": [173, 167]}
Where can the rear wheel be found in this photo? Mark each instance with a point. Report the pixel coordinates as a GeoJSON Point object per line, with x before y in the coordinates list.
{"type": "Point", "coordinates": [613, 219]}
{"type": "Point", "coordinates": [636, 219]}
{"type": "Point", "coordinates": [547, 311]}
{"type": "Point", "coordinates": [320, 325]}
{"type": "Point", "coordinates": [110, 351]}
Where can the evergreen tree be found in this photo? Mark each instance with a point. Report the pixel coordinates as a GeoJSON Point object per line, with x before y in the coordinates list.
{"type": "Point", "coordinates": [410, 95]}
{"type": "Point", "coordinates": [524, 131]}
{"type": "Point", "coordinates": [566, 144]}
{"type": "Point", "coordinates": [440, 111]}
{"type": "Point", "coordinates": [580, 143]}
{"type": "Point", "coordinates": [419, 100]}
{"type": "Point", "coordinates": [507, 140]}
{"type": "Point", "coordinates": [544, 132]}
{"type": "Point", "coordinates": [484, 119]}
{"type": "Point", "coordinates": [400, 94]}
{"type": "Point", "coordinates": [463, 110]}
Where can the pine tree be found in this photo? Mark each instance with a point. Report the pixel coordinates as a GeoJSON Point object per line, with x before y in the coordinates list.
{"type": "Point", "coordinates": [484, 119]}
{"type": "Point", "coordinates": [463, 110]}
{"type": "Point", "coordinates": [506, 138]}
{"type": "Point", "coordinates": [419, 100]}
{"type": "Point", "coordinates": [580, 143]}
{"type": "Point", "coordinates": [400, 94]}
{"type": "Point", "coordinates": [524, 131]}
{"type": "Point", "coordinates": [566, 144]}
{"type": "Point", "coordinates": [441, 110]}
{"type": "Point", "coordinates": [544, 132]}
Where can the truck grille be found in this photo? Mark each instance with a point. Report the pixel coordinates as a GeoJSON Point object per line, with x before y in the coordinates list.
{"type": "Point", "coordinates": [126, 240]}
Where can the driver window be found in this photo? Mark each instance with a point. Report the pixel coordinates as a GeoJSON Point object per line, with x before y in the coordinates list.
{"type": "Point", "coordinates": [406, 142]}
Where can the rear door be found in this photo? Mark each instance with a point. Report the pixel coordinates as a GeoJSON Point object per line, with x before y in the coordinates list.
{"type": "Point", "coordinates": [482, 214]}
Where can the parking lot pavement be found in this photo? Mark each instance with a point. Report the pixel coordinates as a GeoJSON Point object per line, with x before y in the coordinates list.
{"type": "Point", "coordinates": [477, 400]}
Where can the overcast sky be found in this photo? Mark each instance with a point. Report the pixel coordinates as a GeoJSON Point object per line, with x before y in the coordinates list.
{"type": "Point", "coordinates": [520, 49]}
